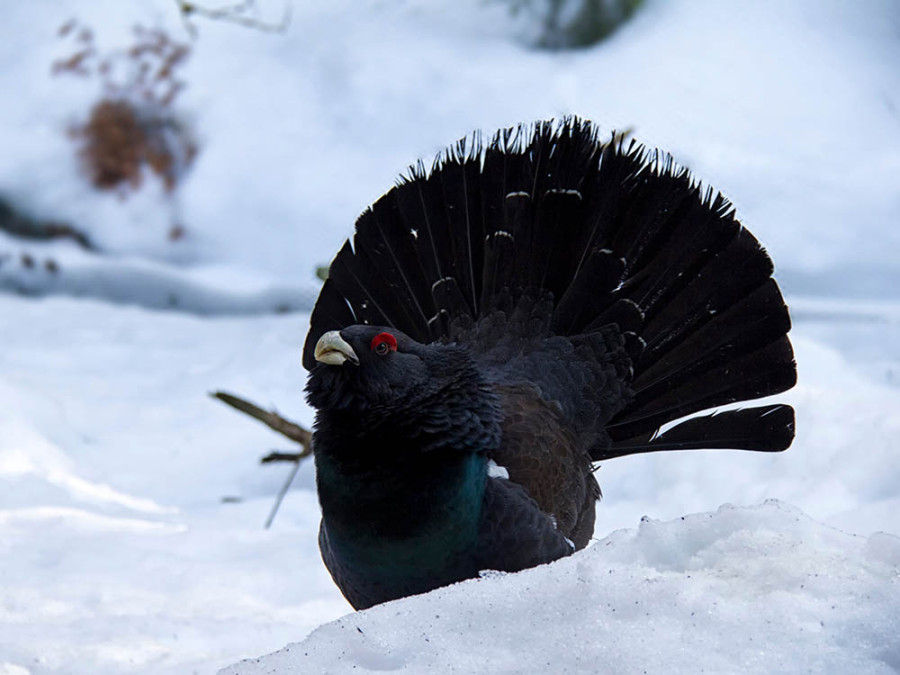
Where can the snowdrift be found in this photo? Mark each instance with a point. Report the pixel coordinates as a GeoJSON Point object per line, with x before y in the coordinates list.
{"type": "Point", "coordinates": [117, 551]}
{"type": "Point", "coordinates": [763, 589]}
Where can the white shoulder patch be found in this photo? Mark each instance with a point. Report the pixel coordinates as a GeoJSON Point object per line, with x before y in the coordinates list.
{"type": "Point", "coordinates": [497, 471]}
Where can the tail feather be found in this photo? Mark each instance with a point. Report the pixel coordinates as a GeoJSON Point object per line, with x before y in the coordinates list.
{"type": "Point", "coordinates": [721, 281]}
{"type": "Point", "coordinates": [597, 235]}
{"type": "Point", "coordinates": [459, 181]}
{"type": "Point", "coordinates": [416, 203]}
{"type": "Point", "coordinates": [378, 257]}
{"type": "Point", "coordinates": [744, 326]}
{"type": "Point", "coordinates": [745, 377]}
{"type": "Point", "coordinates": [589, 292]}
{"type": "Point", "coordinates": [676, 254]}
{"type": "Point", "coordinates": [764, 429]}
{"type": "Point", "coordinates": [624, 313]}
{"type": "Point", "coordinates": [562, 209]}
{"type": "Point", "coordinates": [499, 256]}
{"type": "Point", "coordinates": [659, 203]}
{"type": "Point", "coordinates": [351, 278]}
{"type": "Point", "coordinates": [517, 217]}
{"type": "Point", "coordinates": [607, 195]}
{"type": "Point", "coordinates": [332, 312]}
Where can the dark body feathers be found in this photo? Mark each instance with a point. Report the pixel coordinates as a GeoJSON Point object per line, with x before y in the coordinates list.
{"type": "Point", "coordinates": [552, 302]}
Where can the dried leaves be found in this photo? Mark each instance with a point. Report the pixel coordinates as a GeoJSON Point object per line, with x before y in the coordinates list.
{"type": "Point", "coordinates": [133, 125]}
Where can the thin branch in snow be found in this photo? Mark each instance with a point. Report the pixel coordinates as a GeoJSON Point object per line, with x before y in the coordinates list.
{"type": "Point", "coordinates": [285, 427]}
{"type": "Point", "coordinates": [280, 497]}
{"type": "Point", "coordinates": [272, 420]}
{"type": "Point", "coordinates": [241, 13]}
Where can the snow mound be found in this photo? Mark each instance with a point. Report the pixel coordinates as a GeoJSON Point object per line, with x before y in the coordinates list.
{"type": "Point", "coordinates": [743, 590]}
{"type": "Point", "coordinates": [57, 268]}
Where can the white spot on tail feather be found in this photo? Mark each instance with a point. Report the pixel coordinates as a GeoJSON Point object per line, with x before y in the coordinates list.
{"type": "Point", "coordinates": [440, 281]}
{"type": "Point", "coordinates": [438, 316]}
{"type": "Point", "coordinates": [557, 191]}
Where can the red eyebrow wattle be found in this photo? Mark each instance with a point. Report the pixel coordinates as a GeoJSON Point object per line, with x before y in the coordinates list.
{"type": "Point", "coordinates": [384, 337]}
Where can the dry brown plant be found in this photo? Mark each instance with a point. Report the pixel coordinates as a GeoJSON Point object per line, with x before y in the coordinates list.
{"type": "Point", "coordinates": [133, 126]}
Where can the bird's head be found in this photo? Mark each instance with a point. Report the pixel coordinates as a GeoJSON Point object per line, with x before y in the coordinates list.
{"type": "Point", "coordinates": [378, 377]}
{"type": "Point", "coordinates": [366, 368]}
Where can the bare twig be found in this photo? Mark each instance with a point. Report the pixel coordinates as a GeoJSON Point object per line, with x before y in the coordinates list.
{"type": "Point", "coordinates": [280, 497]}
{"type": "Point", "coordinates": [278, 456]}
{"type": "Point", "coordinates": [285, 427]}
{"type": "Point", "coordinates": [271, 419]}
{"type": "Point", "coordinates": [241, 13]}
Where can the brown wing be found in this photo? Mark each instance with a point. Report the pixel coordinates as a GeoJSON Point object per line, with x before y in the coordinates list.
{"type": "Point", "coordinates": [548, 459]}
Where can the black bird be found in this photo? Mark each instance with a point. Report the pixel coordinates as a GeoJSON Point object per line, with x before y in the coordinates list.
{"type": "Point", "coordinates": [542, 303]}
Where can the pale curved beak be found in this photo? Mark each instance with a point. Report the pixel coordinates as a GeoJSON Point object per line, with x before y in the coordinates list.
{"type": "Point", "coordinates": [333, 350]}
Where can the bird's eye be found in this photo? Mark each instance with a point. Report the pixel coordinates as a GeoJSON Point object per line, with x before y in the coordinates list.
{"type": "Point", "coordinates": [384, 343]}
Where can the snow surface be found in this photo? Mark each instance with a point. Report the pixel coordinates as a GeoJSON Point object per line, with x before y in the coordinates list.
{"type": "Point", "coordinates": [754, 590]}
{"type": "Point", "coordinates": [791, 109]}
{"type": "Point", "coordinates": [131, 504]}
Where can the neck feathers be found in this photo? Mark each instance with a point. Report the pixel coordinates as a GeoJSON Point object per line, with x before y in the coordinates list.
{"type": "Point", "coordinates": [402, 471]}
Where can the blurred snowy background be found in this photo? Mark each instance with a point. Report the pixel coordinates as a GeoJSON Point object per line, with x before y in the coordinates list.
{"type": "Point", "coordinates": [131, 504]}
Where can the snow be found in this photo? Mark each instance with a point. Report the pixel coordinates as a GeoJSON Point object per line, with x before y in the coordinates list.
{"type": "Point", "coordinates": [789, 108]}
{"type": "Point", "coordinates": [761, 590]}
{"type": "Point", "coordinates": [120, 555]}
{"type": "Point", "coordinates": [132, 504]}
{"type": "Point", "coordinates": [118, 552]}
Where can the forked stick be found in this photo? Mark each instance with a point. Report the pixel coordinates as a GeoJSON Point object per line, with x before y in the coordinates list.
{"type": "Point", "coordinates": [285, 427]}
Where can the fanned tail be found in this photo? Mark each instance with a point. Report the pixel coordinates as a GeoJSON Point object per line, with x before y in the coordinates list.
{"type": "Point", "coordinates": [614, 235]}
